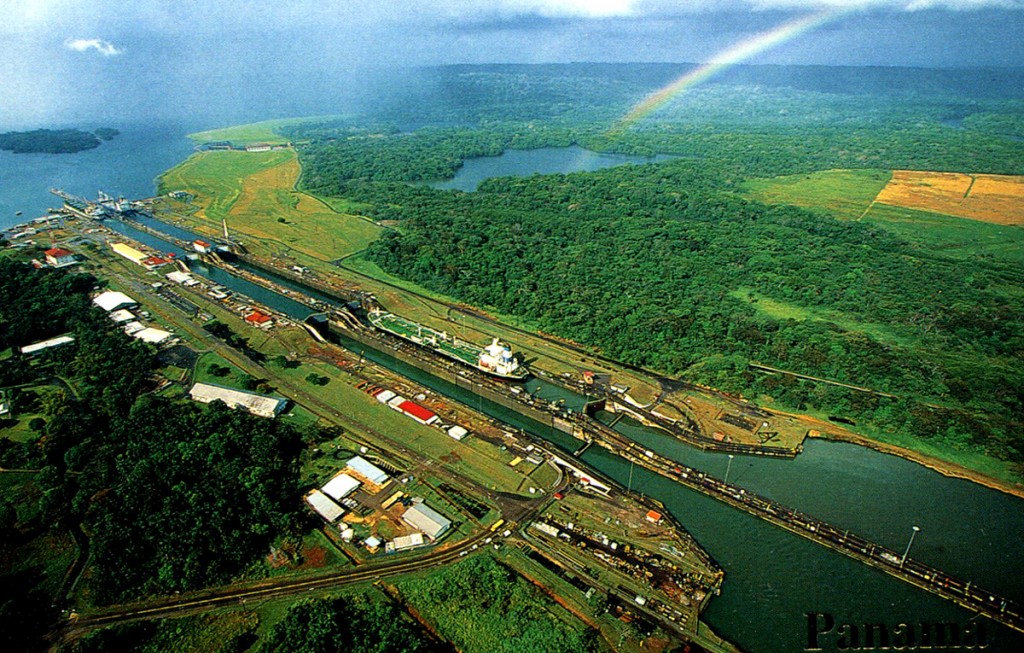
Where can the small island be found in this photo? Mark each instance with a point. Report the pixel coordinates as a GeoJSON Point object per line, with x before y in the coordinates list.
{"type": "Point", "coordinates": [55, 141]}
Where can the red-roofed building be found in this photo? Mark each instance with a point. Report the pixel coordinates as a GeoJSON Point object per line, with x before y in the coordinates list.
{"type": "Point", "coordinates": [59, 257]}
{"type": "Point", "coordinates": [153, 262]}
{"type": "Point", "coordinates": [259, 319]}
{"type": "Point", "coordinates": [202, 246]}
{"type": "Point", "coordinates": [653, 517]}
{"type": "Point", "coordinates": [417, 412]}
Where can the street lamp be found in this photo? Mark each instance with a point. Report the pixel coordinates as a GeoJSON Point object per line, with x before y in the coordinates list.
{"type": "Point", "coordinates": [907, 552]}
{"type": "Point", "coordinates": [727, 468]}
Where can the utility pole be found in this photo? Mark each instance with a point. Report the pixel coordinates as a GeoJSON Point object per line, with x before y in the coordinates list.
{"type": "Point", "coordinates": [907, 552]}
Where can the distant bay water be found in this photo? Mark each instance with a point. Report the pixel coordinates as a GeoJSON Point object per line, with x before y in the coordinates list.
{"type": "Point", "coordinates": [127, 165]}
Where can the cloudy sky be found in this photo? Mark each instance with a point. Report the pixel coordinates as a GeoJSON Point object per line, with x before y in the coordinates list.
{"type": "Point", "coordinates": [62, 59]}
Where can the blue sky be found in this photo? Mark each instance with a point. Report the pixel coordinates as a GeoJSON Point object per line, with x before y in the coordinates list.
{"type": "Point", "coordinates": [62, 59]}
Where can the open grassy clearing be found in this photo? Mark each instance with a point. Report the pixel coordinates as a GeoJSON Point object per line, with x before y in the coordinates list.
{"type": "Point", "coordinates": [846, 194]}
{"type": "Point", "coordinates": [919, 207]}
{"type": "Point", "coordinates": [998, 199]}
{"type": "Point", "coordinates": [216, 178]}
{"type": "Point", "coordinates": [780, 310]}
{"type": "Point", "coordinates": [255, 192]}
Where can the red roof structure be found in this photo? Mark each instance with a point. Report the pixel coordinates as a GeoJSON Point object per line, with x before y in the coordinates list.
{"type": "Point", "coordinates": [258, 318]}
{"type": "Point", "coordinates": [154, 262]}
{"type": "Point", "coordinates": [58, 252]}
{"type": "Point", "coordinates": [416, 411]}
{"type": "Point", "coordinates": [654, 517]}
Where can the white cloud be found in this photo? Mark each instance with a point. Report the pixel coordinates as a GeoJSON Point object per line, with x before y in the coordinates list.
{"type": "Point", "coordinates": [106, 48]}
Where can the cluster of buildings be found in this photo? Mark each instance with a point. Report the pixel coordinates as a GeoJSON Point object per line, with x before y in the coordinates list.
{"type": "Point", "coordinates": [119, 309]}
{"type": "Point", "coordinates": [356, 490]}
{"type": "Point", "coordinates": [415, 411]}
{"type": "Point", "coordinates": [147, 261]}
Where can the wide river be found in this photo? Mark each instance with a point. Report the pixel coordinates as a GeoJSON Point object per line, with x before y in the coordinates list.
{"type": "Point", "coordinates": [772, 577]}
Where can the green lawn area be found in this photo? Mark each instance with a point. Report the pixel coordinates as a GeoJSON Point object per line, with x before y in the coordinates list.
{"type": "Point", "coordinates": [216, 178]}
{"type": "Point", "coordinates": [846, 194]}
{"type": "Point", "coordinates": [17, 429]}
{"type": "Point", "coordinates": [970, 240]}
{"type": "Point", "coordinates": [255, 193]}
{"type": "Point", "coordinates": [233, 379]}
{"type": "Point", "coordinates": [476, 459]}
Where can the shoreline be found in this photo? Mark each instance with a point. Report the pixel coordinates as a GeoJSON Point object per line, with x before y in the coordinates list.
{"type": "Point", "coordinates": [943, 467]}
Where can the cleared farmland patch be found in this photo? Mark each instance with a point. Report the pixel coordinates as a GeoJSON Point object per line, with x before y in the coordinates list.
{"type": "Point", "coordinates": [998, 199]}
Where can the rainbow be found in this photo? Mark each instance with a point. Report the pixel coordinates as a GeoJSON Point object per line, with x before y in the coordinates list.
{"type": "Point", "coordinates": [727, 58]}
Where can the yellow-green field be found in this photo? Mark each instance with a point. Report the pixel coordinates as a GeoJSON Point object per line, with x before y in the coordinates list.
{"type": "Point", "coordinates": [862, 195]}
{"type": "Point", "coordinates": [255, 192]}
{"type": "Point", "coordinates": [948, 236]}
{"type": "Point", "coordinates": [780, 310]}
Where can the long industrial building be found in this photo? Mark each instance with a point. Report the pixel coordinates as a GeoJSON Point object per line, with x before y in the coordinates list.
{"type": "Point", "coordinates": [256, 404]}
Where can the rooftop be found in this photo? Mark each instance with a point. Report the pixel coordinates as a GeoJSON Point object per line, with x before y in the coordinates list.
{"type": "Point", "coordinates": [256, 404]}
{"type": "Point", "coordinates": [424, 518]}
{"type": "Point", "coordinates": [113, 300]}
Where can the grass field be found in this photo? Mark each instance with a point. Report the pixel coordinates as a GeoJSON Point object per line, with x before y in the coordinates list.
{"type": "Point", "coordinates": [922, 208]}
{"type": "Point", "coordinates": [473, 458]}
{"type": "Point", "coordinates": [998, 199]}
{"type": "Point", "coordinates": [255, 192]}
{"type": "Point", "coordinates": [846, 194]}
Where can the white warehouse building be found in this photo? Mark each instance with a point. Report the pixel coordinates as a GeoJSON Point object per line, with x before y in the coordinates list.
{"type": "Point", "coordinates": [427, 520]}
{"type": "Point", "coordinates": [256, 404]}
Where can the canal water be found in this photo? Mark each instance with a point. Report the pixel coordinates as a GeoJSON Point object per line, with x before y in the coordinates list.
{"type": "Point", "coordinates": [773, 578]}
{"type": "Point", "coordinates": [254, 291]}
{"type": "Point", "coordinates": [544, 160]}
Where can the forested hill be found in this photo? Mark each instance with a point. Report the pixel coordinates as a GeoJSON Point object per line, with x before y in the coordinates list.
{"type": "Point", "coordinates": [55, 141]}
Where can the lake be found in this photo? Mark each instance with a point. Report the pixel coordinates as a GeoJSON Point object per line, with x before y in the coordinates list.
{"type": "Point", "coordinates": [543, 161]}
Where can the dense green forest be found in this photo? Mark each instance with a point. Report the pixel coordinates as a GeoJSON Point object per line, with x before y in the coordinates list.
{"type": "Point", "coordinates": [481, 606]}
{"type": "Point", "coordinates": [359, 624]}
{"type": "Point", "coordinates": [55, 141]}
{"type": "Point", "coordinates": [663, 265]}
{"type": "Point", "coordinates": [172, 495]}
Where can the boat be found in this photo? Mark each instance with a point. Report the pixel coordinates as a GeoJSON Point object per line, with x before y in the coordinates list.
{"type": "Point", "coordinates": [495, 359]}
